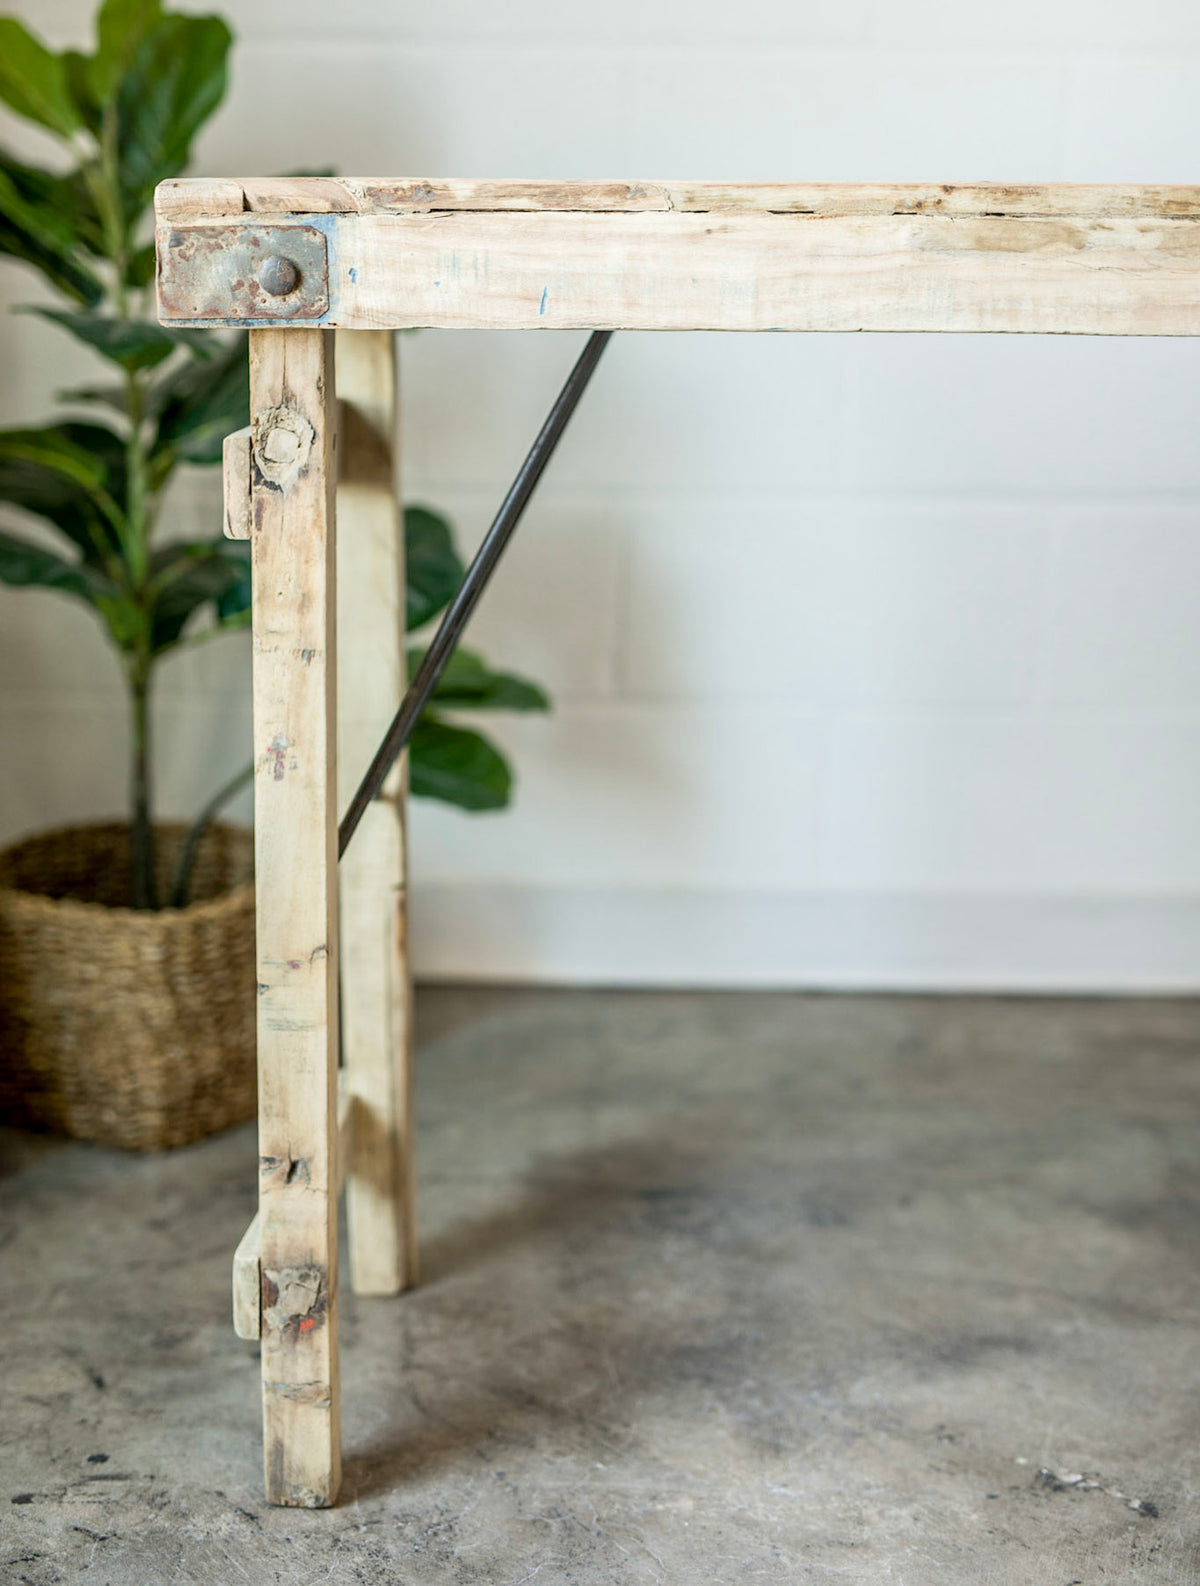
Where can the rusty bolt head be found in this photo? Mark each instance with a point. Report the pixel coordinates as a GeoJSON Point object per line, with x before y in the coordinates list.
{"type": "Point", "coordinates": [278, 276]}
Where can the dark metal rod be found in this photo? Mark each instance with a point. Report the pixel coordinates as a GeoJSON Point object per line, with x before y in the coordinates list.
{"type": "Point", "coordinates": [474, 583]}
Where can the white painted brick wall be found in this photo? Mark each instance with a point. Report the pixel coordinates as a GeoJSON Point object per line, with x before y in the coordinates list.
{"type": "Point", "coordinates": [877, 659]}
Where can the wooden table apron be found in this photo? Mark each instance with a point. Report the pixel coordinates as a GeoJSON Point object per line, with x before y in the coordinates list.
{"type": "Point", "coordinates": [296, 259]}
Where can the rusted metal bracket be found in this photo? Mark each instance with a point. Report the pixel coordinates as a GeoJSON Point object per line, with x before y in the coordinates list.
{"type": "Point", "coordinates": [242, 271]}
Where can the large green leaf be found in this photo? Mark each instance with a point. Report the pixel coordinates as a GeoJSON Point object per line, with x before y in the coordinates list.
{"type": "Point", "coordinates": [79, 187]}
{"type": "Point", "coordinates": [190, 576]}
{"type": "Point", "coordinates": [36, 225]}
{"type": "Point", "coordinates": [115, 397]}
{"type": "Point", "coordinates": [468, 683]}
{"type": "Point", "coordinates": [199, 404]}
{"type": "Point", "coordinates": [33, 80]}
{"type": "Point", "coordinates": [134, 344]}
{"type": "Point", "coordinates": [68, 474]}
{"type": "Point", "coordinates": [121, 26]}
{"type": "Point", "coordinates": [22, 563]}
{"type": "Point", "coordinates": [51, 448]}
{"type": "Point", "coordinates": [457, 766]}
{"type": "Point", "coordinates": [63, 193]}
{"type": "Point", "coordinates": [433, 568]}
{"type": "Point", "coordinates": [173, 81]}
{"type": "Point", "coordinates": [78, 69]}
{"type": "Point", "coordinates": [19, 243]}
{"type": "Point", "coordinates": [233, 605]}
{"type": "Point", "coordinates": [139, 270]}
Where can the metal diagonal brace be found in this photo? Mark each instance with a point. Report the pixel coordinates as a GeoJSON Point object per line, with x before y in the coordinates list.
{"type": "Point", "coordinates": [450, 628]}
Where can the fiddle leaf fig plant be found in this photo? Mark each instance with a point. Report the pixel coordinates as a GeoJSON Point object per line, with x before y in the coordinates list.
{"type": "Point", "coordinates": [125, 116]}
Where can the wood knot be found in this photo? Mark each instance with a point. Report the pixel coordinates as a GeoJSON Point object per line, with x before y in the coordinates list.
{"type": "Point", "coordinates": [283, 441]}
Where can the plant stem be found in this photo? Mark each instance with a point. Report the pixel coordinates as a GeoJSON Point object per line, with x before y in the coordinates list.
{"type": "Point", "coordinates": [191, 843]}
{"type": "Point", "coordinates": [136, 546]}
{"type": "Point", "coordinates": [116, 229]}
{"type": "Point", "coordinates": [141, 833]}
{"type": "Point", "coordinates": [136, 514]}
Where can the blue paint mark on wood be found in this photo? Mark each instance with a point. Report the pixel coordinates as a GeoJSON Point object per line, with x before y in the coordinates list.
{"type": "Point", "coordinates": [542, 304]}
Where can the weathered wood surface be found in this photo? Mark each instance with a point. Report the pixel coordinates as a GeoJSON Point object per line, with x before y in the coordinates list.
{"type": "Point", "coordinates": [280, 195]}
{"type": "Point", "coordinates": [644, 256]}
{"type": "Point", "coordinates": [376, 983]}
{"type": "Point", "coordinates": [292, 539]}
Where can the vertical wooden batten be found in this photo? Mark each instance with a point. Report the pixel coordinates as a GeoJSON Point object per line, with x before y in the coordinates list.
{"type": "Point", "coordinates": [376, 984]}
{"type": "Point", "coordinates": [294, 592]}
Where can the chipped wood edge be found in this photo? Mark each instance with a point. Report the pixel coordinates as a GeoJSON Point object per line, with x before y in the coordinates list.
{"type": "Point", "coordinates": [194, 198]}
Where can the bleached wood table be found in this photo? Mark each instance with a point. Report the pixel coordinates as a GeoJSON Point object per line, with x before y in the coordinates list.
{"type": "Point", "coordinates": [294, 260]}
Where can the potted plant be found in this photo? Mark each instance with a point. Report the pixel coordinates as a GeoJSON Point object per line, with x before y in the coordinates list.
{"type": "Point", "coordinates": [126, 948]}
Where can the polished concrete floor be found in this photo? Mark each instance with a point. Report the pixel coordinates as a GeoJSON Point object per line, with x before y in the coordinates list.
{"type": "Point", "coordinates": [719, 1288]}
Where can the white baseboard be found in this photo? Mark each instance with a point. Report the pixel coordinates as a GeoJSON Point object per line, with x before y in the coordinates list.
{"type": "Point", "coordinates": [619, 937]}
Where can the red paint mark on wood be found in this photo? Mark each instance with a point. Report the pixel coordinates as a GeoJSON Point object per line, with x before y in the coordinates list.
{"type": "Point", "coordinates": [307, 1325]}
{"type": "Point", "coordinates": [275, 755]}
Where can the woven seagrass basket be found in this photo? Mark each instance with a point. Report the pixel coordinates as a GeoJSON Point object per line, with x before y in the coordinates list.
{"type": "Point", "coordinates": [130, 1027]}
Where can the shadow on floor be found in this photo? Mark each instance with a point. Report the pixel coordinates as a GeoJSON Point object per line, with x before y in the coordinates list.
{"type": "Point", "coordinates": [601, 1251]}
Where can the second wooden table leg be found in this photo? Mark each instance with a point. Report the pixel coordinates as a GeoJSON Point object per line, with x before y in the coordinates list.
{"type": "Point", "coordinates": [376, 986]}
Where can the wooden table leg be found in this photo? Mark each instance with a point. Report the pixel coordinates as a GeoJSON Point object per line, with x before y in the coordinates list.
{"type": "Point", "coordinates": [376, 985]}
{"type": "Point", "coordinates": [291, 404]}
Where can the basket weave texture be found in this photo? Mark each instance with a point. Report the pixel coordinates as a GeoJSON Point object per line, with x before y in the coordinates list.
{"type": "Point", "coordinates": [130, 1027]}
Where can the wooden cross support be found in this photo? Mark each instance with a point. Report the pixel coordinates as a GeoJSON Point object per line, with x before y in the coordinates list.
{"type": "Point", "coordinates": [295, 259]}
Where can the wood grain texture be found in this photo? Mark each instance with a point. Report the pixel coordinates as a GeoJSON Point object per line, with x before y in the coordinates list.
{"type": "Point", "coordinates": [376, 980]}
{"type": "Point", "coordinates": [281, 195]}
{"type": "Point", "coordinates": [294, 627]}
{"type": "Point", "coordinates": [1089, 260]}
{"type": "Point", "coordinates": [199, 195]}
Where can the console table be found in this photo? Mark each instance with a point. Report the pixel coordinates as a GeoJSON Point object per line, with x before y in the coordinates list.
{"type": "Point", "coordinates": [318, 268]}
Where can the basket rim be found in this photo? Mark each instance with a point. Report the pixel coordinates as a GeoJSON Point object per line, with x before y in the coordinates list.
{"type": "Point", "coordinates": [138, 919]}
